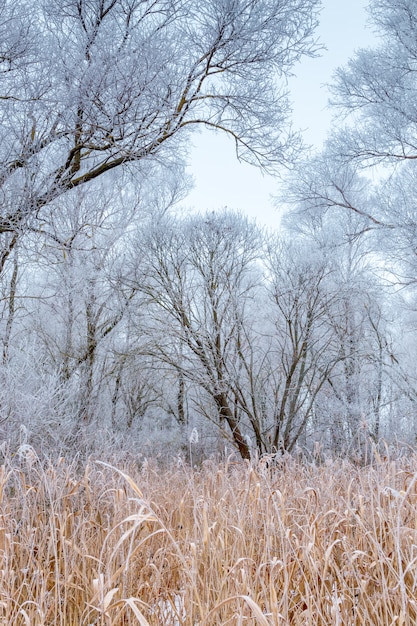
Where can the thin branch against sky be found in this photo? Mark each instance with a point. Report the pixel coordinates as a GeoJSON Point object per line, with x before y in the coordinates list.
{"type": "Point", "coordinates": [220, 180]}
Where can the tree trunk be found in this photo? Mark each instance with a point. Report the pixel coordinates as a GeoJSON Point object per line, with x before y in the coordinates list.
{"type": "Point", "coordinates": [12, 308]}
{"type": "Point", "coordinates": [227, 414]}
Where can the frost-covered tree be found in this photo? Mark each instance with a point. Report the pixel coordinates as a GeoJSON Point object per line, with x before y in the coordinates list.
{"type": "Point", "coordinates": [304, 346]}
{"type": "Point", "coordinates": [199, 275]}
{"type": "Point", "coordinates": [377, 89]}
{"type": "Point", "coordinates": [341, 213]}
{"type": "Point", "coordinates": [72, 296]}
{"type": "Point", "coordinates": [249, 327]}
{"type": "Point", "coordinates": [375, 95]}
{"type": "Point", "coordinates": [88, 86]}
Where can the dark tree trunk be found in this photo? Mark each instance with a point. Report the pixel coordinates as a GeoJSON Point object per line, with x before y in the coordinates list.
{"type": "Point", "coordinates": [227, 414]}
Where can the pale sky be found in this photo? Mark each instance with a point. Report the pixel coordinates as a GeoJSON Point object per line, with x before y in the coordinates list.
{"type": "Point", "coordinates": [220, 180]}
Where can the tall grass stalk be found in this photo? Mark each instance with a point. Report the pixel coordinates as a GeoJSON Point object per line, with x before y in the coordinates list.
{"type": "Point", "coordinates": [227, 544]}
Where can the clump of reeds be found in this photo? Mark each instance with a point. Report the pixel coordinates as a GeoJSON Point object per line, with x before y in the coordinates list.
{"type": "Point", "coordinates": [226, 544]}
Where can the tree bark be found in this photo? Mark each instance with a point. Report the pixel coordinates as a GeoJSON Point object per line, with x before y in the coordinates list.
{"type": "Point", "coordinates": [226, 413]}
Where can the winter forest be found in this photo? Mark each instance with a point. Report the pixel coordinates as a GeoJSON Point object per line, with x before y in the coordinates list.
{"type": "Point", "coordinates": [204, 421]}
{"type": "Point", "coordinates": [130, 323]}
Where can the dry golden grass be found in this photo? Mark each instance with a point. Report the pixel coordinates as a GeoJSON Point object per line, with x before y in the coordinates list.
{"type": "Point", "coordinates": [228, 544]}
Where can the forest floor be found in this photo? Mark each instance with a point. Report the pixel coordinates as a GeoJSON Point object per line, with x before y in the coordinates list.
{"type": "Point", "coordinates": [228, 543]}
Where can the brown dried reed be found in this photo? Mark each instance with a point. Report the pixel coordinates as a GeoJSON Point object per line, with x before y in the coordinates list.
{"type": "Point", "coordinates": [226, 544]}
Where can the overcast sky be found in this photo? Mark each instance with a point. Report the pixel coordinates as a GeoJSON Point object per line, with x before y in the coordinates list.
{"type": "Point", "coordinates": [220, 180]}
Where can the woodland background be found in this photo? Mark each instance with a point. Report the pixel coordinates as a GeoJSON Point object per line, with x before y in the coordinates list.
{"type": "Point", "coordinates": [128, 323]}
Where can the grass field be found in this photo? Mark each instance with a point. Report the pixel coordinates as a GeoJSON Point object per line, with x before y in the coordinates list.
{"type": "Point", "coordinates": [226, 544]}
